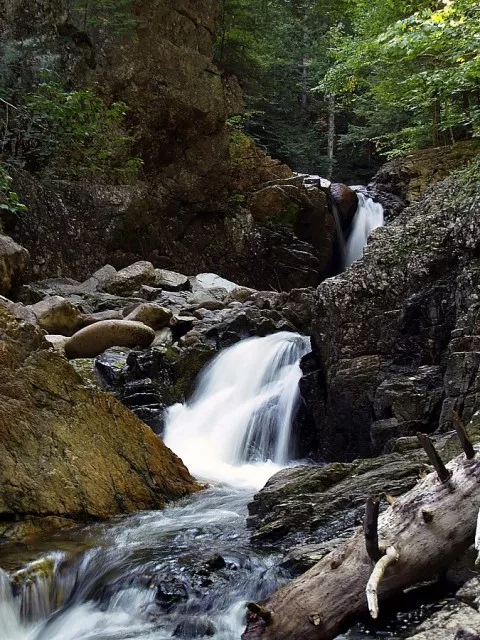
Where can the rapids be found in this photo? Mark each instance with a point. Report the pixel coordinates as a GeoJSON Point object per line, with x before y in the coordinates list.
{"type": "Point", "coordinates": [189, 569]}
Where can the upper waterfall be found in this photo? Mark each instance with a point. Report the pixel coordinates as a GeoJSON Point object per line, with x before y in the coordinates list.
{"type": "Point", "coordinates": [236, 427]}
{"type": "Point", "coordinates": [369, 216]}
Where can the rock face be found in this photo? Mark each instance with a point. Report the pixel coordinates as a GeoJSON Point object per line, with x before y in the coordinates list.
{"type": "Point", "coordinates": [195, 211]}
{"type": "Point", "coordinates": [396, 335]}
{"type": "Point", "coordinates": [69, 453]}
{"type": "Point", "coordinates": [404, 180]}
{"type": "Point", "coordinates": [13, 263]}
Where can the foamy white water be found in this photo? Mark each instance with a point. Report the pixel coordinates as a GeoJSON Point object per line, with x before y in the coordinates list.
{"type": "Point", "coordinates": [368, 217]}
{"type": "Point", "coordinates": [236, 427]}
{"type": "Point", "coordinates": [235, 431]}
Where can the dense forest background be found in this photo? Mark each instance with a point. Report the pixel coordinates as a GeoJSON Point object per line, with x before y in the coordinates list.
{"type": "Point", "coordinates": [338, 86]}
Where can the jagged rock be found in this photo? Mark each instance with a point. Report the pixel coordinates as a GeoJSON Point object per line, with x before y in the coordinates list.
{"type": "Point", "coordinates": [126, 281]}
{"type": "Point", "coordinates": [13, 263]}
{"type": "Point", "coordinates": [20, 311]}
{"type": "Point", "coordinates": [170, 280]}
{"type": "Point", "coordinates": [58, 316]}
{"type": "Point", "coordinates": [397, 333]}
{"type": "Point", "coordinates": [106, 461]}
{"type": "Point", "coordinates": [204, 281]}
{"type": "Point", "coordinates": [153, 315]}
{"type": "Point", "coordinates": [273, 202]}
{"type": "Point", "coordinates": [96, 338]}
{"type": "Point", "coordinates": [239, 294]}
{"type": "Point", "coordinates": [100, 278]}
{"type": "Point", "coordinates": [58, 343]}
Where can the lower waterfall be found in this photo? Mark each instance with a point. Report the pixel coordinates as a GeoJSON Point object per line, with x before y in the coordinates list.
{"type": "Point", "coordinates": [369, 216]}
{"type": "Point", "coordinates": [145, 576]}
{"type": "Point", "coordinates": [236, 427]}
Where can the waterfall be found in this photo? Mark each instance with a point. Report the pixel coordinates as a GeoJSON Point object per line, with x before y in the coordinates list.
{"type": "Point", "coordinates": [369, 216]}
{"type": "Point", "coordinates": [236, 427]}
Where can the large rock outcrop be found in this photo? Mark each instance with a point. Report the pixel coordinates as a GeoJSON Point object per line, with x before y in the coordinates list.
{"type": "Point", "coordinates": [397, 334]}
{"type": "Point", "coordinates": [70, 453]}
{"type": "Point", "coordinates": [192, 209]}
{"type": "Point", "coordinates": [405, 179]}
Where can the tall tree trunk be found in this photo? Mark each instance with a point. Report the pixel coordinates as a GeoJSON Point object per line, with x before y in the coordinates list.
{"type": "Point", "coordinates": [304, 96]}
{"type": "Point", "coordinates": [331, 134]}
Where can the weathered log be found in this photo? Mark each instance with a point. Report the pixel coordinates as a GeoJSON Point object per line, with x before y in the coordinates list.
{"type": "Point", "coordinates": [427, 528]}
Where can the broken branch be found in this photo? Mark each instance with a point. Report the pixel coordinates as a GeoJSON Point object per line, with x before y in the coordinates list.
{"type": "Point", "coordinates": [370, 527]}
{"type": "Point", "coordinates": [462, 436]}
{"type": "Point", "coordinates": [391, 556]}
{"type": "Point", "coordinates": [434, 457]}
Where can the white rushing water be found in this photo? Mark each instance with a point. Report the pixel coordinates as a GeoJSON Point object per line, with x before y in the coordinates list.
{"type": "Point", "coordinates": [368, 217]}
{"type": "Point", "coordinates": [143, 576]}
{"type": "Point", "coordinates": [236, 427]}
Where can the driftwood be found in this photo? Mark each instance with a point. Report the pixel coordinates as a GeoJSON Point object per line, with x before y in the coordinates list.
{"type": "Point", "coordinates": [417, 536]}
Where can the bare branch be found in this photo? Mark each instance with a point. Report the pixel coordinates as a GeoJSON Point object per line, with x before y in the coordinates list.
{"type": "Point", "coordinates": [432, 454]}
{"type": "Point", "coordinates": [370, 527]}
{"type": "Point", "coordinates": [391, 556]}
{"type": "Point", "coordinates": [462, 436]}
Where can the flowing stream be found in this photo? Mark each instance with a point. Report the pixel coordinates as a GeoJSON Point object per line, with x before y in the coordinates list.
{"type": "Point", "coordinates": [369, 216]}
{"type": "Point", "coordinates": [186, 571]}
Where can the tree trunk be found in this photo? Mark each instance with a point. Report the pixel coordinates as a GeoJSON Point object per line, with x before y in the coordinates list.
{"type": "Point", "coordinates": [428, 527]}
{"type": "Point", "coordinates": [331, 134]}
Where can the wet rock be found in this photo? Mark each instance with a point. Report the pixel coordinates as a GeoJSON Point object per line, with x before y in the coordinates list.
{"type": "Point", "coordinates": [110, 365]}
{"type": "Point", "coordinates": [346, 200]}
{"type": "Point", "coordinates": [170, 592]}
{"type": "Point", "coordinates": [106, 461]}
{"type": "Point", "coordinates": [181, 324]}
{"type": "Point", "coordinates": [170, 280]}
{"type": "Point", "coordinates": [315, 504]}
{"type": "Point", "coordinates": [149, 293]}
{"type": "Point", "coordinates": [13, 264]}
{"type": "Point", "coordinates": [126, 281]}
{"type": "Point", "coordinates": [153, 315]}
{"type": "Point", "coordinates": [95, 339]}
{"type": "Point", "coordinates": [216, 562]}
{"type": "Point", "coordinates": [195, 627]}
{"type": "Point", "coordinates": [58, 316]}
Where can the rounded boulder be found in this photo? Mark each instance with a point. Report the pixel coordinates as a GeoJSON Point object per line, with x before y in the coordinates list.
{"type": "Point", "coordinates": [95, 339]}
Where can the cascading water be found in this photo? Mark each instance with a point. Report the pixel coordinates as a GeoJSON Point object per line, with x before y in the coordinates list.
{"type": "Point", "coordinates": [369, 216]}
{"type": "Point", "coordinates": [236, 428]}
{"type": "Point", "coordinates": [145, 576]}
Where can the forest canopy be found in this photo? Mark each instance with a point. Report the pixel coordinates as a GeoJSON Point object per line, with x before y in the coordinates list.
{"type": "Point", "coordinates": [342, 85]}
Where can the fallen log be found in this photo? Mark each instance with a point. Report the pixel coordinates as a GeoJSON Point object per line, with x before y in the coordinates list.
{"type": "Point", "coordinates": [420, 534]}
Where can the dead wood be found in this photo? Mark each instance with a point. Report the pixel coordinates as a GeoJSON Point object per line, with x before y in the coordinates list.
{"type": "Point", "coordinates": [420, 534]}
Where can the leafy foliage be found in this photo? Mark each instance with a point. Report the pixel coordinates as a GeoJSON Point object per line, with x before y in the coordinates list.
{"type": "Point", "coordinates": [70, 135]}
{"type": "Point", "coordinates": [112, 16]}
{"type": "Point", "coordinates": [404, 75]}
{"type": "Point", "coordinates": [9, 199]}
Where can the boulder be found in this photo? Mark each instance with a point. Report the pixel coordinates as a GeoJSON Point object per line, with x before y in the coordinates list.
{"type": "Point", "coordinates": [170, 280]}
{"type": "Point", "coordinates": [153, 315]}
{"type": "Point", "coordinates": [58, 316]}
{"type": "Point", "coordinates": [126, 281]}
{"type": "Point", "coordinates": [210, 281]}
{"type": "Point", "coordinates": [96, 338]}
{"type": "Point", "coordinates": [70, 453]}
{"type": "Point", "coordinates": [13, 263]}
{"type": "Point", "coordinates": [346, 200]}
{"type": "Point", "coordinates": [100, 278]}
